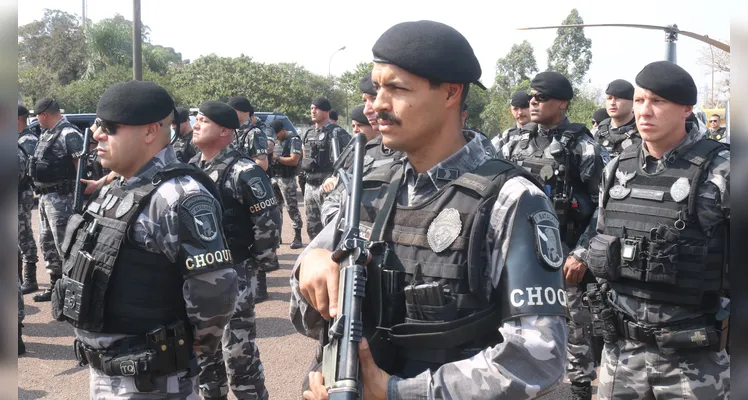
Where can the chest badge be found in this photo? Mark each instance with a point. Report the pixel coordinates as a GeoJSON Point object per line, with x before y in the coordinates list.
{"type": "Point", "coordinates": [606, 142]}
{"type": "Point", "coordinates": [548, 239]}
{"type": "Point", "coordinates": [620, 191]}
{"type": "Point", "coordinates": [444, 229]}
{"type": "Point", "coordinates": [626, 143]}
{"type": "Point", "coordinates": [214, 176]}
{"type": "Point", "coordinates": [321, 136]}
{"type": "Point", "coordinates": [680, 189]}
{"type": "Point", "coordinates": [125, 205]}
{"type": "Point", "coordinates": [546, 173]}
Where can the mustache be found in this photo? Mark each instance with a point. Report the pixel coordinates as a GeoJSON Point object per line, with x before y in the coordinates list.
{"type": "Point", "coordinates": [385, 116]}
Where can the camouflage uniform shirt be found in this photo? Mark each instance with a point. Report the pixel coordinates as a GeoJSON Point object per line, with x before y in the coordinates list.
{"type": "Point", "coordinates": [529, 362]}
{"type": "Point", "coordinates": [69, 142]}
{"type": "Point", "coordinates": [252, 139]}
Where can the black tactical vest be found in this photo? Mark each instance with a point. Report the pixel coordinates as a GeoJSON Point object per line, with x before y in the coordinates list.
{"type": "Point", "coordinates": [44, 167]}
{"type": "Point", "coordinates": [237, 224]}
{"type": "Point", "coordinates": [454, 221]}
{"type": "Point", "coordinates": [124, 289]}
{"type": "Point", "coordinates": [184, 148]}
{"type": "Point", "coordinates": [548, 170]}
{"type": "Point", "coordinates": [378, 155]}
{"type": "Point", "coordinates": [662, 254]}
{"type": "Point", "coordinates": [617, 139]}
{"type": "Point", "coordinates": [318, 151]}
{"type": "Point", "coordinates": [286, 171]}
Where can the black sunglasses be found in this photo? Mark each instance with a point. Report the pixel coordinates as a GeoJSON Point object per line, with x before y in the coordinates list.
{"type": "Point", "coordinates": [713, 120]}
{"type": "Point", "coordinates": [540, 97]}
{"type": "Point", "coordinates": [110, 128]}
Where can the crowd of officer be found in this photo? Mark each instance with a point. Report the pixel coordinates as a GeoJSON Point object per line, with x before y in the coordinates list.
{"type": "Point", "coordinates": [551, 252]}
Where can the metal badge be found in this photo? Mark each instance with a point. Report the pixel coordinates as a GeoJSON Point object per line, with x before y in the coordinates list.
{"type": "Point", "coordinates": [205, 223]}
{"type": "Point", "coordinates": [548, 239]}
{"type": "Point", "coordinates": [321, 136]}
{"type": "Point", "coordinates": [606, 142]}
{"type": "Point", "coordinates": [109, 202]}
{"type": "Point", "coordinates": [368, 160]}
{"type": "Point", "coordinates": [620, 191]}
{"type": "Point", "coordinates": [214, 176]}
{"type": "Point", "coordinates": [104, 191]}
{"type": "Point", "coordinates": [626, 143]}
{"type": "Point", "coordinates": [125, 205]}
{"type": "Point", "coordinates": [648, 194]}
{"type": "Point", "coordinates": [546, 172]}
{"type": "Point", "coordinates": [680, 189]}
{"type": "Point", "coordinates": [258, 188]}
{"type": "Point", "coordinates": [444, 229]}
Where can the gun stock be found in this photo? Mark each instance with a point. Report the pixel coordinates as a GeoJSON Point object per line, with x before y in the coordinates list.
{"type": "Point", "coordinates": [81, 172]}
{"type": "Point", "coordinates": [340, 362]}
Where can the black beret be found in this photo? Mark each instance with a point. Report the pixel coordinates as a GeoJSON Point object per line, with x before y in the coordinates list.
{"type": "Point", "coordinates": [621, 89]}
{"type": "Point", "coordinates": [240, 103]}
{"type": "Point", "coordinates": [135, 103]}
{"type": "Point", "coordinates": [183, 115]}
{"type": "Point", "coordinates": [322, 103]}
{"type": "Point", "coordinates": [357, 114]}
{"type": "Point", "coordinates": [553, 84]}
{"type": "Point", "coordinates": [365, 85]}
{"type": "Point", "coordinates": [277, 125]}
{"type": "Point", "coordinates": [669, 81]}
{"type": "Point", "coordinates": [520, 99]}
{"type": "Point", "coordinates": [220, 113]}
{"type": "Point", "coordinates": [333, 115]}
{"type": "Point", "coordinates": [431, 50]}
{"type": "Point", "coordinates": [22, 111]}
{"type": "Point", "coordinates": [600, 115]}
{"type": "Point", "coordinates": [46, 104]}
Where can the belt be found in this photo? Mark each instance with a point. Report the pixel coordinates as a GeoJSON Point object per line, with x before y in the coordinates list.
{"type": "Point", "coordinates": [633, 331]}
{"type": "Point", "coordinates": [62, 188]}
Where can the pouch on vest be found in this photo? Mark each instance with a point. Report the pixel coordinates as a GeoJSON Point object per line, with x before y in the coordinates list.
{"type": "Point", "coordinates": [631, 258]}
{"type": "Point", "coordinates": [663, 256]}
{"type": "Point", "coordinates": [603, 257]}
{"type": "Point", "coordinates": [427, 302]}
{"type": "Point", "coordinates": [308, 164]}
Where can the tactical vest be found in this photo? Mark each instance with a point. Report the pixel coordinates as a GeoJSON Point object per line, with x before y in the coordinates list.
{"type": "Point", "coordinates": [378, 155]}
{"type": "Point", "coordinates": [183, 148]}
{"type": "Point", "coordinates": [121, 288]}
{"type": "Point", "coordinates": [453, 221]}
{"type": "Point", "coordinates": [286, 171]}
{"type": "Point", "coordinates": [547, 169]}
{"type": "Point", "coordinates": [44, 167]}
{"type": "Point", "coordinates": [318, 151]}
{"type": "Point", "coordinates": [657, 250]}
{"type": "Point", "coordinates": [28, 145]}
{"type": "Point", "coordinates": [237, 224]}
{"type": "Point", "coordinates": [615, 140]}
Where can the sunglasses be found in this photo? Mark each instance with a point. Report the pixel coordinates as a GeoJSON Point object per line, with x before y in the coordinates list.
{"type": "Point", "coordinates": [540, 97]}
{"type": "Point", "coordinates": [714, 120]}
{"type": "Point", "coordinates": [110, 128]}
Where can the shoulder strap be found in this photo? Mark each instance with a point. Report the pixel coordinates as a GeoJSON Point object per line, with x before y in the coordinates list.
{"type": "Point", "coordinates": [384, 173]}
{"type": "Point", "coordinates": [233, 158]}
{"type": "Point", "coordinates": [181, 169]}
{"type": "Point", "coordinates": [485, 180]}
{"type": "Point", "coordinates": [701, 155]}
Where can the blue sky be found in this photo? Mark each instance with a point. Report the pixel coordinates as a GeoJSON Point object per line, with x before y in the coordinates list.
{"type": "Point", "coordinates": [308, 32]}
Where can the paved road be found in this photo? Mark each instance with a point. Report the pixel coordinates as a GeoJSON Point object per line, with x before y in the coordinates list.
{"type": "Point", "coordinates": [48, 370]}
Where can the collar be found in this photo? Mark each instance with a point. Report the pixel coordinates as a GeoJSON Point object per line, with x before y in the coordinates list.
{"type": "Point", "coordinates": [467, 159]}
{"type": "Point", "coordinates": [671, 155]}
{"type": "Point", "coordinates": [220, 156]}
{"type": "Point", "coordinates": [163, 158]}
{"type": "Point", "coordinates": [556, 129]}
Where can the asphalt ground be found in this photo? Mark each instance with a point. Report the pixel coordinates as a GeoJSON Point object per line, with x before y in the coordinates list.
{"type": "Point", "coordinates": [48, 369]}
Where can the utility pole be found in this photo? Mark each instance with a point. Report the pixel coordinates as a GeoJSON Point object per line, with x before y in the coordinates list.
{"type": "Point", "coordinates": [137, 45]}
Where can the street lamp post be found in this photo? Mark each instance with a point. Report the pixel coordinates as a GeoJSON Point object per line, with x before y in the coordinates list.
{"type": "Point", "coordinates": [330, 63]}
{"type": "Point", "coordinates": [137, 49]}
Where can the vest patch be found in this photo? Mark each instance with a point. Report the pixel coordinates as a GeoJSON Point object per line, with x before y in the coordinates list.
{"type": "Point", "coordinates": [258, 188]}
{"type": "Point", "coordinates": [680, 189]}
{"type": "Point", "coordinates": [548, 239]}
{"type": "Point", "coordinates": [534, 296]}
{"type": "Point", "coordinates": [444, 229]}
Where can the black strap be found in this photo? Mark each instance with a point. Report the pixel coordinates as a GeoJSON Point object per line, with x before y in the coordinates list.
{"type": "Point", "coordinates": [377, 230]}
{"type": "Point", "coordinates": [445, 335]}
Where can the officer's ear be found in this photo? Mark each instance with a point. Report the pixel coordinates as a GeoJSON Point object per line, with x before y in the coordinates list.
{"type": "Point", "coordinates": [564, 106]}
{"type": "Point", "coordinates": [454, 94]}
{"type": "Point", "coordinates": [687, 110]}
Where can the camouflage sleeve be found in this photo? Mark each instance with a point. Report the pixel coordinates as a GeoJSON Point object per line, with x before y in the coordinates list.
{"type": "Point", "coordinates": [252, 188]}
{"type": "Point", "coordinates": [260, 142]}
{"type": "Point", "coordinates": [331, 205]}
{"type": "Point", "coordinates": [21, 165]}
{"type": "Point", "coordinates": [295, 145]}
{"type": "Point", "coordinates": [304, 317]}
{"type": "Point", "coordinates": [531, 359]}
{"type": "Point", "coordinates": [713, 195]}
{"type": "Point", "coordinates": [72, 140]}
{"type": "Point", "coordinates": [592, 158]}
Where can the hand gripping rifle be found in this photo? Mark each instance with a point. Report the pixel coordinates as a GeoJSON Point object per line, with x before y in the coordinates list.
{"type": "Point", "coordinates": [82, 157]}
{"type": "Point", "coordinates": [340, 363]}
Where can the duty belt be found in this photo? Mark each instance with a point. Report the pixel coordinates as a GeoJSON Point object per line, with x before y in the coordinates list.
{"type": "Point", "coordinates": [629, 329]}
{"type": "Point", "coordinates": [62, 188]}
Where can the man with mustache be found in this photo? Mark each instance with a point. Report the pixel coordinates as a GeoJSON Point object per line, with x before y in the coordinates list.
{"type": "Point", "coordinates": [419, 214]}
{"type": "Point", "coordinates": [519, 105]}
{"type": "Point", "coordinates": [565, 158]}
{"type": "Point", "coordinates": [661, 251]}
{"type": "Point", "coordinates": [619, 131]}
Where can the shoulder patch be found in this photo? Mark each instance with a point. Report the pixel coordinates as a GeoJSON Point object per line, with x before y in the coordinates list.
{"type": "Point", "coordinates": [197, 213]}
{"type": "Point", "coordinates": [258, 188]}
{"type": "Point", "coordinates": [548, 239]}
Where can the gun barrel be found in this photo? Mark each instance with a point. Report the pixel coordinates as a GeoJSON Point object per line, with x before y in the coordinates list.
{"type": "Point", "coordinates": [80, 173]}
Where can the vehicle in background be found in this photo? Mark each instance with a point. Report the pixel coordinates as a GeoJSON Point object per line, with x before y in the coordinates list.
{"type": "Point", "coordinates": [267, 117]}
{"type": "Point", "coordinates": [81, 121]}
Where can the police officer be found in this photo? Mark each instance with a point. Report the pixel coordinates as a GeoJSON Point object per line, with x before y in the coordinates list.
{"type": "Point", "coordinates": [568, 162]}
{"type": "Point", "coordinates": [714, 130]}
{"type": "Point", "coordinates": [334, 117]}
{"type": "Point", "coordinates": [250, 222]}
{"type": "Point", "coordinates": [514, 352]}
{"type": "Point", "coordinates": [183, 146]}
{"type": "Point", "coordinates": [284, 176]}
{"type": "Point", "coordinates": [52, 168]}
{"type": "Point", "coordinates": [489, 148]}
{"type": "Point", "coordinates": [661, 250]}
{"type": "Point", "coordinates": [26, 144]}
{"type": "Point", "coordinates": [598, 116]}
{"type": "Point", "coordinates": [619, 130]}
{"type": "Point", "coordinates": [519, 106]}
{"type": "Point", "coordinates": [149, 252]}
{"type": "Point", "coordinates": [250, 139]}
{"type": "Point", "coordinates": [317, 161]}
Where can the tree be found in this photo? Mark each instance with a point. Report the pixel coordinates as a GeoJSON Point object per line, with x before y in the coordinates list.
{"type": "Point", "coordinates": [717, 62]}
{"type": "Point", "coordinates": [517, 66]}
{"type": "Point", "coordinates": [570, 53]}
{"type": "Point", "coordinates": [348, 84]}
{"type": "Point", "coordinates": [56, 43]}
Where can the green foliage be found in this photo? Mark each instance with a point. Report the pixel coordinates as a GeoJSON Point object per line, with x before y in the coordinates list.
{"type": "Point", "coordinates": [517, 66]}
{"type": "Point", "coordinates": [571, 52]}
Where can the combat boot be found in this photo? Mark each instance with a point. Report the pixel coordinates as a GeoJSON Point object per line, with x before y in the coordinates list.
{"type": "Point", "coordinates": [581, 391]}
{"type": "Point", "coordinates": [29, 284]}
{"type": "Point", "coordinates": [46, 295]}
{"type": "Point", "coordinates": [296, 240]}
{"type": "Point", "coordinates": [261, 294]}
{"type": "Point", "coordinates": [21, 346]}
